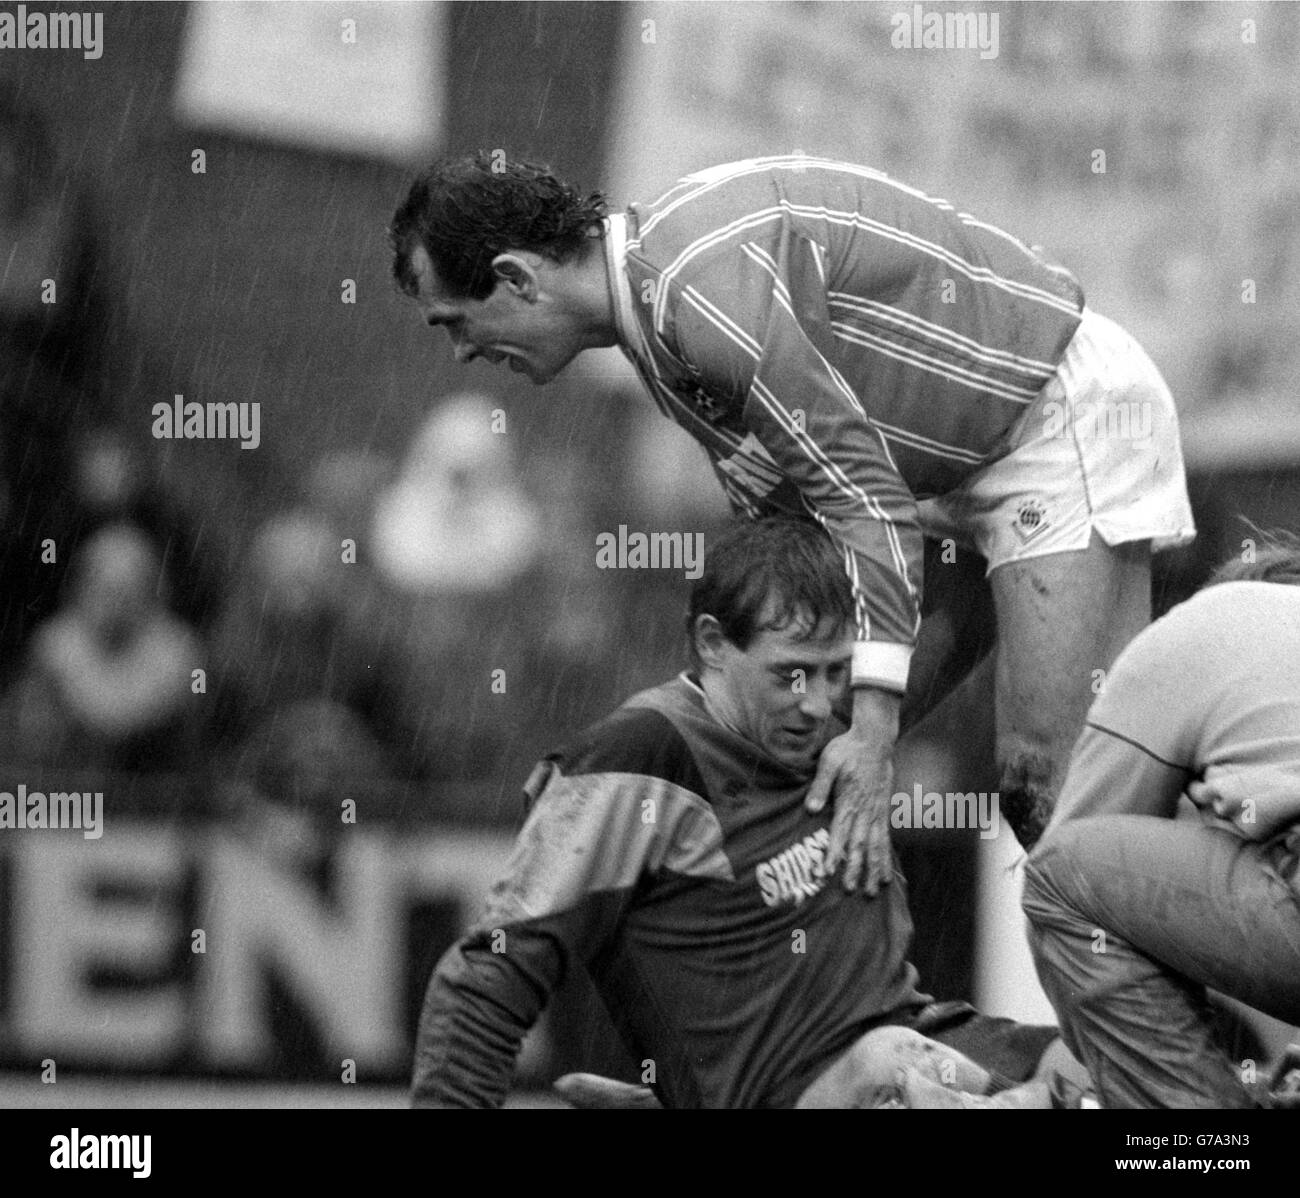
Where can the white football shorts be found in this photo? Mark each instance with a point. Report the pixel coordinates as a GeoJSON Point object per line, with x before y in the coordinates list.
{"type": "Point", "coordinates": [1097, 450]}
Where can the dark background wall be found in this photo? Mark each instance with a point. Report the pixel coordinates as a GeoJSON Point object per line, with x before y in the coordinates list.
{"type": "Point", "coordinates": [230, 280]}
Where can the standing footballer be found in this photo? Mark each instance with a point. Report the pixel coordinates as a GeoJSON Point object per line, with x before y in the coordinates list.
{"type": "Point", "coordinates": [851, 350]}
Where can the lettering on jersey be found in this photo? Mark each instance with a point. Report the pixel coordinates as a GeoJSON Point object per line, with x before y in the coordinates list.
{"type": "Point", "coordinates": [796, 873]}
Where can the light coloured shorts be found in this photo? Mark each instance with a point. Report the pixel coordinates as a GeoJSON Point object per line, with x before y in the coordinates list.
{"type": "Point", "coordinates": [1098, 449]}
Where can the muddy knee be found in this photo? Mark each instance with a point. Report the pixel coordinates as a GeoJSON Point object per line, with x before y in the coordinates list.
{"type": "Point", "coordinates": [884, 1051]}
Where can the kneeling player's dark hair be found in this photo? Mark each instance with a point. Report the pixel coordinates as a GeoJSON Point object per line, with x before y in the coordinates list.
{"type": "Point", "coordinates": [1274, 557]}
{"type": "Point", "coordinates": [792, 563]}
{"type": "Point", "coordinates": [466, 211]}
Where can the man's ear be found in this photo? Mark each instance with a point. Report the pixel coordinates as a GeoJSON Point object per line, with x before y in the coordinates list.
{"type": "Point", "coordinates": [517, 273]}
{"type": "Point", "coordinates": [711, 642]}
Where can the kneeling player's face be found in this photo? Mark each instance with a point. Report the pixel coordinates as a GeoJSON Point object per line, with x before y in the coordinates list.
{"type": "Point", "coordinates": [782, 690]}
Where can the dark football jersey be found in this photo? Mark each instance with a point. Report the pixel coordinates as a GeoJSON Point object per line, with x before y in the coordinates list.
{"type": "Point", "coordinates": [674, 859]}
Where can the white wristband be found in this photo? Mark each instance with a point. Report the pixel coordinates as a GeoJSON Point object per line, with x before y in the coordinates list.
{"type": "Point", "coordinates": [880, 663]}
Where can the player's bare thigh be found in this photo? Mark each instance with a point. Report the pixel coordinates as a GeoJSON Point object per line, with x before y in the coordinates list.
{"type": "Point", "coordinates": [1062, 620]}
{"type": "Point", "coordinates": [1072, 612]}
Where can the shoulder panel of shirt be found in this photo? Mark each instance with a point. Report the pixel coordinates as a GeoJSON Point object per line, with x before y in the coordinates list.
{"type": "Point", "coordinates": [633, 740]}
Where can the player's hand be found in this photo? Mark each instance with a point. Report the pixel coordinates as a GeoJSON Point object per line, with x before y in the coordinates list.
{"type": "Point", "coordinates": [859, 775]}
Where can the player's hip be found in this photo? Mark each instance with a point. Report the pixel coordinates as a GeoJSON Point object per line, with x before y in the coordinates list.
{"type": "Point", "coordinates": [1099, 449]}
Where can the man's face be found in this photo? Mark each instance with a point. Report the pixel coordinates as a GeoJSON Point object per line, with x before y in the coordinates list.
{"type": "Point", "coordinates": [518, 323]}
{"type": "Point", "coordinates": [781, 691]}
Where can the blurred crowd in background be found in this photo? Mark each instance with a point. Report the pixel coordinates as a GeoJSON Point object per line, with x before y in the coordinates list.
{"type": "Point", "coordinates": [393, 623]}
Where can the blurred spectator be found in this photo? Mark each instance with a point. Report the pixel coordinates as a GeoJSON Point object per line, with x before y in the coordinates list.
{"type": "Point", "coordinates": [66, 465]}
{"type": "Point", "coordinates": [302, 681]}
{"type": "Point", "coordinates": [109, 676]}
{"type": "Point", "coordinates": [457, 541]}
{"type": "Point", "coordinates": [456, 520]}
{"type": "Point", "coordinates": [344, 486]}
{"type": "Point", "coordinates": [298, 767]}
{"type": "Point", "coordinates": [114, 481]}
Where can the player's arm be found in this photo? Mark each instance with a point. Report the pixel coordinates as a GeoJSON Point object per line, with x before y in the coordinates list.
{"type": "Point", "coordinates": [1137, 750]}
{"type": "Point", "coordinates": [733, 322]}
{"type": "Point", "coordinates": [575, 861]}
{"type": "Point", "coordinates": [1111, 774]}
{"type": "Point", "coordinates": [748, 331]}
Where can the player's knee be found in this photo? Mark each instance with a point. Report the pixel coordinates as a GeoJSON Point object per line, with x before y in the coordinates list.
{"type": "Point", "coordinates": [1027, 789]}
{"type": "Point", "coordinates": [1040, 897]}
{"type": "Point", "coordinates": [889, 1045]}
{"type": "Point", "coordinates": [883, 1051]}
{"type": "Point", "coordinates": [1060, 929]}
{"type": "Point", "coordinates": [869, 1071]}
{"type": "Point", "coordinates": [866, 1075]}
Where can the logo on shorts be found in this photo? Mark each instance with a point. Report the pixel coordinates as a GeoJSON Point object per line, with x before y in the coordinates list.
{"type": "Point", "coordinates": [1031, 520]}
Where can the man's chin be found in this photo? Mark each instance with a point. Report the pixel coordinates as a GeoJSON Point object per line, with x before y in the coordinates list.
{"type": "Point", "coordinates": [539, 376]}
{"type": "Point", "coordinates": [801, 760]}
{"type": "Point", "coordinates": [541, 373]}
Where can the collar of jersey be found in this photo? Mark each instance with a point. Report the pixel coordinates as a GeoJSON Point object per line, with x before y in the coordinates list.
{"type": "Point", "coordinates": [631, 339]}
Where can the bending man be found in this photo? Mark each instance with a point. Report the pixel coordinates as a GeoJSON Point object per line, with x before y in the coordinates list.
{"type": "Point", "coordinates": [851, 351]}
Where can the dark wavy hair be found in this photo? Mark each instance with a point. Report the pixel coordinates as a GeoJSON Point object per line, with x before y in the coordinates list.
{"type": "Point", "coordinates": [1276, 558]}
{"type": "Point", "coordinates": [466, 211]}
{"type": "Point", "coordinates": [791, 563]}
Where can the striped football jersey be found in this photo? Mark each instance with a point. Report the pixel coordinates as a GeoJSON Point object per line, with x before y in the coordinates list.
{"type": "Point", "coordinates": [842, 345]}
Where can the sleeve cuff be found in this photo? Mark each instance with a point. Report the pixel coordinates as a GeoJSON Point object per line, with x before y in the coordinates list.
{"type": "Point", "coordinates": [879, 663]}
